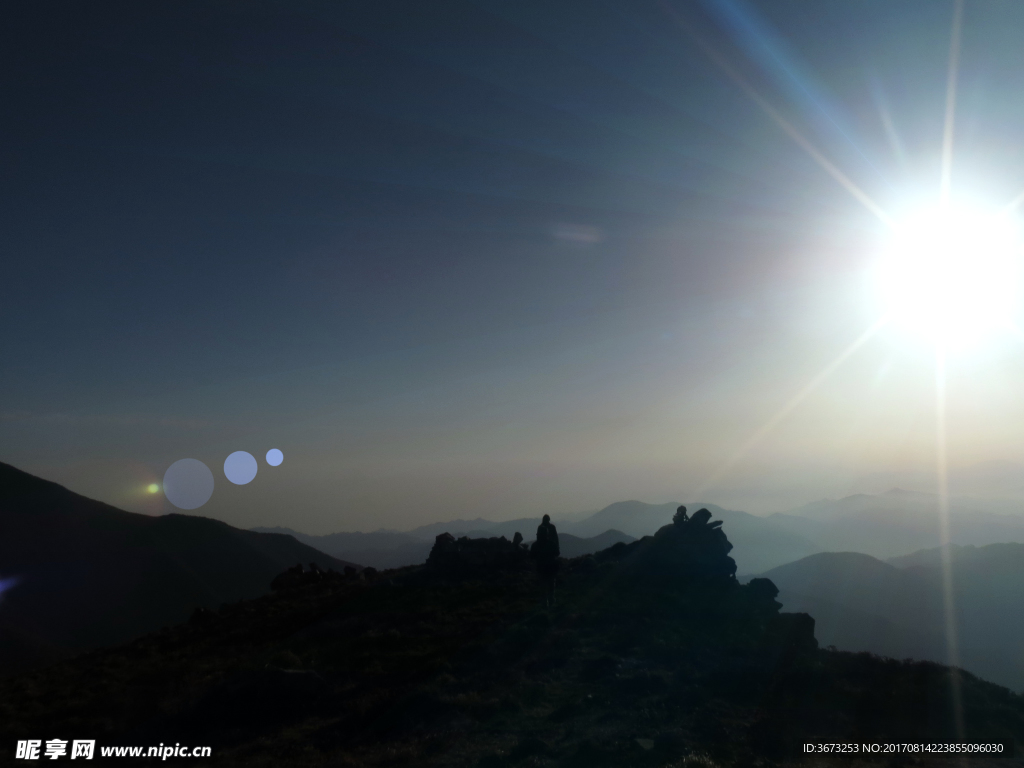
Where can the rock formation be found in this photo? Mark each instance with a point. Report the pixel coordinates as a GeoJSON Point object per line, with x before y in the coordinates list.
{"type": "Point", "coordinates": [688, 547]}
{"type": "Point", "coordinates": [477, 557]}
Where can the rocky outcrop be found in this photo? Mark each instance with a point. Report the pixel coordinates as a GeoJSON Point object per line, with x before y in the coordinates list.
{"type": "Point", "coordinates": [479, 557]}
{"type": "Point", "coordinates": [689, 547]}
{"type": "Point", "coordinates": [689, 561]}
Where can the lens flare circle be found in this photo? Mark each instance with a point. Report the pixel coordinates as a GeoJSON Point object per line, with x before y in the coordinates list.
{"type": "Point", "coordinates": [188, 483]}
{"type": "Point", "coordinates": [240, 467]}
{"type": "Point", "coordinates": [275, 457]}
{"type": "Point", "coordinates": [952, 274]}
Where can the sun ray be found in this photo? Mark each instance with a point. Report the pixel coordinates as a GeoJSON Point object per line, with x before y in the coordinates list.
{"type": "Point", "coordinates": [948, 602]}
{"type": "Point", "coordinates": [827, 165]}
{"type": "Point", "coordinates": [788, 408]}
{"type": "Point", "coordinates": [892, 134]}
{"type": "Point", "coordinates": [950, 119]}
{"type": "Point", "coordinates": [1014, 204]}
{"type": "Point", "coordinates": [941, 458]}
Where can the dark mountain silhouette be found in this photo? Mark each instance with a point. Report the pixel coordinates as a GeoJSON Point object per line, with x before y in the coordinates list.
{"type": "Point", "coordinates": [654, 655]}
{"type": "Point", "coordinates": [897, 609]}
{"type": "Point", "coordinates": [91, 575]}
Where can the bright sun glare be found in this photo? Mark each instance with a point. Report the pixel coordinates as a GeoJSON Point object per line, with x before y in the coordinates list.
{"type": "Point", "coordinates": [952, 273]}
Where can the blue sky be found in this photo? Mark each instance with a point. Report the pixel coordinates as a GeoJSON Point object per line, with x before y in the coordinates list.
{"type": "Point", "coordinates": [461, 259]}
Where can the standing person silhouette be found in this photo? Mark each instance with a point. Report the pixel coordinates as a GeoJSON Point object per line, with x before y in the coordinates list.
{"type": "Point", "coordinates": [545, 552]}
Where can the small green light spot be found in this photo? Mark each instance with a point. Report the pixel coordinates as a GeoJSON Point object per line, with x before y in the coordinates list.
{"type": "Point", "coordinates": [153, 488]}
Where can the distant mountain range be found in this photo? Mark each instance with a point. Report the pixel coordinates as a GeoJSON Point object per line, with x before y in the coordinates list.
{"type": "Point", "coordinates": [1001, 481]}
{"type": "Point", "coordinates": [883, 525]}
{"type": "Point", "coordinates": [90, 575]}
{"type": "Point", "coordinates": [896, 608]}
{"type": "Point", "coordinates": [897, 522]}
{"type": "Point", "coordinates": [760, 543]}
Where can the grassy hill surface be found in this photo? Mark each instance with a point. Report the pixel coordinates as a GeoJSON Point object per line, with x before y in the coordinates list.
{"type": "Point", "coordinates": [653, 655]}
{"type": "Point", "coordinates": [90, 575]}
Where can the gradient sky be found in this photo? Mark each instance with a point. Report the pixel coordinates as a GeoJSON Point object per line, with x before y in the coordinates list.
{"type": "Point", "coordinates": [488, 259]}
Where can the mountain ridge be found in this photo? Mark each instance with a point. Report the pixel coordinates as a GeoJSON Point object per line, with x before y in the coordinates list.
{"type": "Point", "coordinates": [897, 609]}
{"type": "Point", "coordinates": [653, 655]}
{"type": "Point", "coordinates": [90, 574]}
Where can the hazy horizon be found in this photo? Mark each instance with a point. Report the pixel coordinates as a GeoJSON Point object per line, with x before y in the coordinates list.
{"type": "Point", "coordinates": [965, 486]}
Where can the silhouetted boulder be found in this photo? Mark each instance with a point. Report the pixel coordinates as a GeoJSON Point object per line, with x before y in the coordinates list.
{"type": "Point", "coordinates": [479, 557]}
{"type": "Point", "coordinates": [763, 588]}
{"type": "Point", "coordinates": [689, 558]}
{"type": "Point", "coordinates": [761, 594]}
{"type": "Point", "coordinates": [691, 547]}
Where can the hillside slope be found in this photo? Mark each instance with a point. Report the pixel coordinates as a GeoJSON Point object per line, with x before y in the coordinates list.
{"type": "Point", "coordinates": [91, 575]}
{"type": "Point", "coordinates": [653, 656]}
{"type": "Point", "coordinates": [863, 604]}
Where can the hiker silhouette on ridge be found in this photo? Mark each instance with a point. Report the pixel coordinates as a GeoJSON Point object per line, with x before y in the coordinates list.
{"type": "Point", "coordinates": [545, 552]}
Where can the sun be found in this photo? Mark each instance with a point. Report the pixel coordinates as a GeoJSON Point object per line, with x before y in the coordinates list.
{"type": "Point", "coordinates": [951, 273]}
